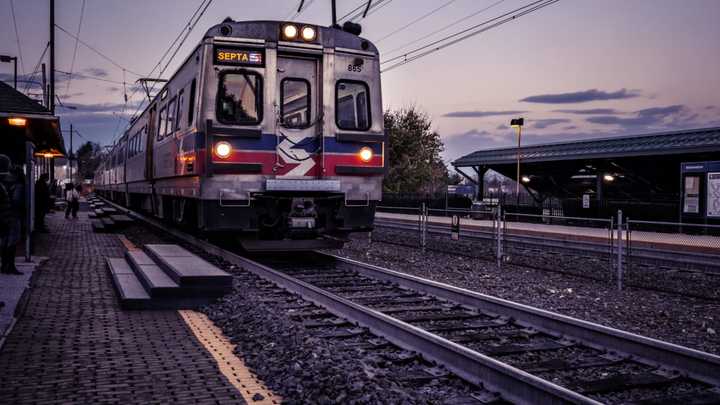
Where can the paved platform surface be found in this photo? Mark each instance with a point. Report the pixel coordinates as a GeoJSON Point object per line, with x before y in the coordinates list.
{"type": "Point", "coordinates": [709, 244]}
{"type": "Point", "coordinates": [75, 345]}
{"type": "Point", "coordinates": [11, 289]}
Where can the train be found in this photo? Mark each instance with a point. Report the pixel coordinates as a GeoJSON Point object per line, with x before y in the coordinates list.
{"type": "Point", "coordinates": [269, 133]}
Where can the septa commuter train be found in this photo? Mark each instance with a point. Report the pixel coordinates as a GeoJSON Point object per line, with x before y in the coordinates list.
{"type": "Point", "coordinates": [270, 132]}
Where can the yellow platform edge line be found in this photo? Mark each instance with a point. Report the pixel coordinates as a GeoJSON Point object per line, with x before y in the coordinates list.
{"type": "Point", "coordinates": [231, 366]}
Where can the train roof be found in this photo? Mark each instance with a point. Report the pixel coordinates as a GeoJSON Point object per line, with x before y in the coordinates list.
{"type": "Point", "coordinates": [328, 37]}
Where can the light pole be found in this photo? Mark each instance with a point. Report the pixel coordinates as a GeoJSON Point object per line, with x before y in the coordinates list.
{"type": "Point", "coordinates": [518, 123]}
{"type": "Point", "coordinates": [8, 59]}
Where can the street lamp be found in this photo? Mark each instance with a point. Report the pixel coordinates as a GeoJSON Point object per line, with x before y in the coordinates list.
{"type": "Point", "coordinates": [8, 59]}
{"type": "Point", "coordinates": [518, 123]}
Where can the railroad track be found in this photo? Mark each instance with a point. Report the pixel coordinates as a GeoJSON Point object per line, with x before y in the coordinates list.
{"type": "Point", "coordinates": [525, 354]}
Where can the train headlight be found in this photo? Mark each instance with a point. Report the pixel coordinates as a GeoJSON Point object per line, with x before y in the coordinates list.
{"type": "Point", "coordinates": [290, 31]}
{"type": "Point", "coordinates": [366, 154]}
{"type": "Point", "coordinates": [223, 149]}
{"type": "Point", "coordinates": [308, 34]}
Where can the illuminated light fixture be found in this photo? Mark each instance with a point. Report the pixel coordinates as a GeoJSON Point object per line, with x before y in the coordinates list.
{"type": "Point", "coordinates": [609, 177]}
{"type": "Point", "coordinates": [525, 179]}
{"type": "Point", "coordinates": [366, 154]}
{"type": "Point", "coordinates": [222, 150]}
{"type": "Point", "coordinates": [290, 31]}
{"type": "Point", "coordinates": [308, 34]}
{"type": "Point", "coordinates": [18, 122]}
{"type": "Point", "coordinates": [48, 155]}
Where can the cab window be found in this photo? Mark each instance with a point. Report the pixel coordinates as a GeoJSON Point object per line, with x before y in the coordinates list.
{"type": "Point", "coordinates": [162, 123]}
{"type": "Point", "coordinates": [352, 104]}
{"type": "Point", "coordinates": [295, 107]}
{"type": "Point", "coordinates": [239, 99]}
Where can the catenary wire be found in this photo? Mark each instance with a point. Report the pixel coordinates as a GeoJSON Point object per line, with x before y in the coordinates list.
{"type": "Point", "coordinates": [415, 21]}
{"type": "Point", "coordinates": [17, 37]}
{"type": "Point", "coordinates": [92, 48]}
{"type": "Point", "coordinates": [444, 28]}
{"type": "Point", "coordinates": [72, 63]}
{"type": "Point", "coordinates": [498, 21]}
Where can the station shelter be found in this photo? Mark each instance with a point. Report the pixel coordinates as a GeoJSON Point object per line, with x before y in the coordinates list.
{"type": "Point", "coordinates": [643, 175]}
{"type": "Point", "coordinates": [30, 135]}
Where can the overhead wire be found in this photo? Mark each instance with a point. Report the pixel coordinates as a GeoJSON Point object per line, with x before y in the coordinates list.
{"type": "Point", "coordinates": [77, 42]}
{"type": "Point", "coordinates": [465, 34]}
{"type": "Point", "coordinates": [17, 37]}
{"type": "Point", "coordinates": [84, 76]}
{"type": "Point", "coordinates": [415, 21]}
{"type": "Point", "coordinates": [36, 69]}
{"type": "Point", "coordinates": [295, 14]}
{"type": "Point", "coordinates": [187, 29]}
{"type": "Point", "coordinates": [452, 24]}
{"type": "Point", "coordinates": [92, 48]}
{"type": "Point", "coordinates": [358, 13]}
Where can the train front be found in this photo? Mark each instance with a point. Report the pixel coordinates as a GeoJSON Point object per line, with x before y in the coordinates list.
{"type": "Point", "coordinates": [295, 145]}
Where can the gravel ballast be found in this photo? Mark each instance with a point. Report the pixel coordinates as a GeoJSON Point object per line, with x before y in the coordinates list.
{"type": "Point", "coordinates": [687, 321]}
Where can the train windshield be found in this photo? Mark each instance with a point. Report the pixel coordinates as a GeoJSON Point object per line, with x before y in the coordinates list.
{"type": "Point", "coordinates": [239, 100]}
{"type": "Point", "coordinates": [352, 102]}
{"type": "Point", "coordinates": [295, 103]}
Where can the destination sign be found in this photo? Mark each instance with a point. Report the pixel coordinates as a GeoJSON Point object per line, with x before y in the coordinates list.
{"type": "Point", "coordinates": [238, 57]}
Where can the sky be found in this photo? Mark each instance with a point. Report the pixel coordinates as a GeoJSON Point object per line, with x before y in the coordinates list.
{"type": "Point", "coordinates": [576, 69]}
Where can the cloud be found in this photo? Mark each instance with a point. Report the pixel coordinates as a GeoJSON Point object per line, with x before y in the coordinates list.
{"type": "Point", "coordinates": [710, 107]}
{"type": "Point", "coordinates": [476, 114]}
{"type": "Point", "coordinates": [591, 111]}
{"type": "Point", "coordinates": [670, 116]}
{"type": "Point", "coordinates": [113, 89]}
{"type": "Point", "coordinates": [570, 127]}
{"type": "Point", "coordinates": [544, 123]}
{"type": "Point", "coordinates": [71, 95]}
{"type": "Point", "coordinates": [95, 71]}
{"type": "Point", "coordinates": [581, 96]}
{"type": "Point", "coordinates": [502, 127]}
{"type": "Point", "coordinates": [107, 108]}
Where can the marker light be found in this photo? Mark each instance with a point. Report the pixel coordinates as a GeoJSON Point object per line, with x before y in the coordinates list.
{"type": "Point", "coordinates": [308, 33]}
{"type": "Point", "coordinates": [366, 154]}
{"type": "Point", "coordinates": [290, 31]}
{"type": "Point", "coordinates": [18, 122]}
{"type": "Point", "coordinates": [222, 150]}
{"type": "Point", "coordinates": [609, 177]}
{"type": "Point", "coordinates": [525, 179]}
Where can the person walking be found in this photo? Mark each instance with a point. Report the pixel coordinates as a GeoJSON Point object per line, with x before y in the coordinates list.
{"type": "Point", "coordinates": [42, 202]}
{"type": "Point", "coordinates": [72, 197]}
{"type": "Point", "coordinates": [12, 203]}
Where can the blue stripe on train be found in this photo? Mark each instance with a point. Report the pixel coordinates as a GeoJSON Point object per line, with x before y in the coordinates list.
{"type": "Point", "coordinates": [268, 142]}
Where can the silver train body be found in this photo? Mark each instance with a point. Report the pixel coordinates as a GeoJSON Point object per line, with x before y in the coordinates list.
{"type": "Point", "coordinates": [274, 139]}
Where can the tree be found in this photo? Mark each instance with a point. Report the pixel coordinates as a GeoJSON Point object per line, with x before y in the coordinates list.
{"type": "Point", "coordinates": [415, 164]}
{"type": "Point", "coordinates": [88, 158]}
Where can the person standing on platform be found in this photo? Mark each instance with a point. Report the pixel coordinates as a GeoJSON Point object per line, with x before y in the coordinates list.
{"type": "Point", "coordinates": [12, 203]}
{"type": "Point", "coordinates": [72, 197]}
{"type": "Point", "coordinates": [42, 202]}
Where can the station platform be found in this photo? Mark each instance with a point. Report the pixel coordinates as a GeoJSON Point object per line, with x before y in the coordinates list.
{"type": "Point", "coordinates": [675, 241]}
{"type": "Point", "coordinates": [73, 343]}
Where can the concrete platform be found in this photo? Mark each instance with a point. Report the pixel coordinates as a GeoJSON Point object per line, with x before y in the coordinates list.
{"type": "Point", "coordinates": [12, 289]}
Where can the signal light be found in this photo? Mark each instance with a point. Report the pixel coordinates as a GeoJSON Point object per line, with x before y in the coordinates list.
{"type": "Point", "coordinates": [290, 31]}
{"type": "Point", "coordinates": [308, 34]}
{"type": "Point", "coordinates": [223, 149]}
{"type": "Point", "coordinates": [366, 154]}
{"type": "Point", "coordinates": [18, 122]}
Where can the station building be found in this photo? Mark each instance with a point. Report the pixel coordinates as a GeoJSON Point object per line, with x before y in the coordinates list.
{"type": "Point", "coordinates": [30, 135]}
{"type": "Point", "coordinates": [669, 176]}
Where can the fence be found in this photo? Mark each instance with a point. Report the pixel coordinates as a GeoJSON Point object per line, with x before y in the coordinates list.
{"type": "Point", "coordinates": [665, 256]}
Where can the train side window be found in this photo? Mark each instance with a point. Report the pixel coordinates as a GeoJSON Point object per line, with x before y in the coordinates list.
{"type": "Point", "coordinates": [239, 98]}
{"type": "Point", "coordinates": [180, 108]}
{"type": "Point", "coordinates": [295, 107]}
{"type": "Point", "coordinates": [162, 123]}
{"type": "Point", "coordinates": [170, 128]}
{"type": "Point", "coordinates": [191, 108]}
{"type": "Point", "coordinates": [352, 101]}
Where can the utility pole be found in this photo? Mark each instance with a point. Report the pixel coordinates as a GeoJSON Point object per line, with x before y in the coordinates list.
{"type": "Point", "coordinates": [51, 95]}
{"type": "Point", "coordinates": [70, 155]}
{"type": "Point", "coordinates": [44, 87]}
{"type": "Point", "coordinates": [8, 59]}
{"type": "Point", "coordinates": [334, 14]}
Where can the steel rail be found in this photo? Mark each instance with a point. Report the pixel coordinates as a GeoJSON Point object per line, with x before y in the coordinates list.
{"type": "Point", "coordinates": [699, 365]}
{"type": "Point", "coordinates": [513, 384]}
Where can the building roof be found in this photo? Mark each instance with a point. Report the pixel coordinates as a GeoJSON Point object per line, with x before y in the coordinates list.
{"type": "Point", "coordinates": [666, 143]}
{"type": "Point", "coordinates": [13, 101]}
